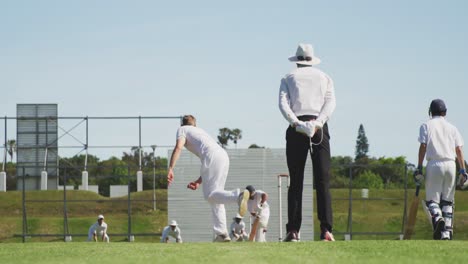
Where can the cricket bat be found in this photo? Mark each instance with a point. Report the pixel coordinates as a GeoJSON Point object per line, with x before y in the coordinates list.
{"type": "Point", "coordinates": [413, 212]}
{"type": "Point", "coordinates": [253, 230]}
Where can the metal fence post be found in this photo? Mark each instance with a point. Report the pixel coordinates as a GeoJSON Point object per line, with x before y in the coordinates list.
{"type": "Point", "coordinates": [24, 207]}
{"type": "Point", "coordinates": [129, 206]}
{"type": "Point", "coordinates": [350, 207]}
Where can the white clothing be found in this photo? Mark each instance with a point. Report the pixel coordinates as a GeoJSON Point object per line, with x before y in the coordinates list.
{"type": "Point", "coordinates": [99, 230]}
{"type": "Point", "coordinates": [167, 231]}
{"type": "Point", "coordinates": [239, 229]}
{"type": "Point", "coordinates": [441, 139]}
{"type": "Point", "coordinates": [214, 170]}
{"type": "Point", "coordinates": [253, 206]}
{"type": "Point", "coordinates": [197, 141]}
{"type": "Point", "coordinates": [440, 180]}
{"type": "Point", "coordinates": [307, 91]}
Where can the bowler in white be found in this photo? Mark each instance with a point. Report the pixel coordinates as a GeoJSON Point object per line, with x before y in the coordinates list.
{"type": "Point", "coordinates": [213, 173]}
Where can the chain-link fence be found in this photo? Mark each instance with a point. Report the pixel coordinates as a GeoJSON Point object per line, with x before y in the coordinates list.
{"type": "Point", "coordinates": [128, 213]}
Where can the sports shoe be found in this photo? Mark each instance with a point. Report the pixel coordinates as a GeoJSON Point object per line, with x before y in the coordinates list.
{"type": "Point", "coordinates": [291, 237]}
{"type": "Point", "coordinates": [327, 236]}
{"type": "Point", "coordinates": [439, 226]}
{"type": "Point", "coordinates": [445, 235]}
{"type": "Point", "coordinates": [222, 238]}
{"type": "Point", "coordinates": [242, 200]}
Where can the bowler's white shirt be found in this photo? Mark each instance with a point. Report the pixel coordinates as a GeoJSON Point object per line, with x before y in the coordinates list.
{"type": "Point", "coordinates": [307, 91]}
{"type": "Point", "coordinates": [167, 231]}
{"type": "Point", "coordinates": [96, 228]}
{"type": "Point", "coordinates": [441, 139]}
{"type": "Point", "coordinates": [237, 228]}
{"type": "Point", "coordinates": [197, 141]}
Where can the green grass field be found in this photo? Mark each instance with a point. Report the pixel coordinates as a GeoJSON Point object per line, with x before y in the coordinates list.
{"type": "Point", "coordinates": [381, 252]}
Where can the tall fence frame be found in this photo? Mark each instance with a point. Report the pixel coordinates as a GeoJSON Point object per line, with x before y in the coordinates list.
{"type": "Point", "coordinates": [84, 147]}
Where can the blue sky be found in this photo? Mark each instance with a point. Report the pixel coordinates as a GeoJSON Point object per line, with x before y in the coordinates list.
{"type": "Point", "coordinates": [222, 62]}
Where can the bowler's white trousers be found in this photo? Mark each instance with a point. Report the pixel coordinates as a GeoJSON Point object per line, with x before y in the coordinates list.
{"type": "Point", "coordinates": [214, 171]}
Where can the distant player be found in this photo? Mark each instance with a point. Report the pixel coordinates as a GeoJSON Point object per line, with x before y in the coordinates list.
{"type": "Point", "coordinates": [213, 174]}
{"type": "Point", "coordinates": [238, 232]}
{"type": "Point", "coordinates": [98, 230]}
{"type": "Point", "coordinates": [258, 207]}
{"type": "Point", "coordinates": [172, 230]}
{"type": "Point", "coordinates": [440, 143]}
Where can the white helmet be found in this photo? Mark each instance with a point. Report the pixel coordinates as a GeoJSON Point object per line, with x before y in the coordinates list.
{"type": "Point", "coordinates": [100, 217]}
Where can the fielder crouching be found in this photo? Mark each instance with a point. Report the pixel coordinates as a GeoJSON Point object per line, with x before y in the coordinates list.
{"type": "Point", "coordinates": [238, 232]}
{"type": "Point", "coordinates": [440, 142]}
{"type": "Point", "coordinates": [98, 230]}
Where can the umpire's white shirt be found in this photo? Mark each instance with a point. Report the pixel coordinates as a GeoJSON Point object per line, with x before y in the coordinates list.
{"type": "Point", "coordinates": [441, 139]}
{"type": "Point", "coordinates": [307, 91]}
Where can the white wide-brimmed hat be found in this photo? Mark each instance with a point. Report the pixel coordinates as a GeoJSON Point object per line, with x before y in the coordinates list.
{"type": "Point", "coordinates": [305, 55]}
{"type": "Point", "coordinates": [100, 217]}
{"type": "Point", "coordinates": [238, 216]}
{"type": "Point", "coordinates": [173, 223]}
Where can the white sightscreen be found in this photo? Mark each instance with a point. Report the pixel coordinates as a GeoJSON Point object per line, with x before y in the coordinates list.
{"type": "Point", "coordinates": [258, 167]}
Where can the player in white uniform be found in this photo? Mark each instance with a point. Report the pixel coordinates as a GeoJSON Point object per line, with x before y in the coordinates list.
{"type": "Point", "coordinates": [172, 230]}
{"type": "Point", "coordinates": [440, 143]}
{"type": "Point", "coordinates": [98, 229]}
{"type": "Point", "coordinates": [238, 232]}
{"type": "Point", "coordinates": [213, 174]}
{"type": "Point", "coordinates": [258, 207]}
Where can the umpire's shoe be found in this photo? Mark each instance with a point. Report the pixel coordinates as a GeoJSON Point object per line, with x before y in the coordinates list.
{"type": "Point", "coordinates": [439, 226]}
{"type": "Point", "coordinates": [243, 199]}
{"type": "Point", "coordinates": [327, 236]}
{"type": "Point", "coordinates": [291, 237]}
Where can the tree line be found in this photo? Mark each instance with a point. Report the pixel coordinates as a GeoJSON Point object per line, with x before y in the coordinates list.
{"type": "Point", "coordinates": [365, 171]}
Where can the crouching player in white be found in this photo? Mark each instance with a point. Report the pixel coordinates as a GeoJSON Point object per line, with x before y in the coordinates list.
{"type": "Point", "coordinates": [440, 143]}
{"type": "Point", "coordinates": [98, 229]}
{"type": "Point", "coordinates": [238, 232]}
{"type": "Point", "coordinates": [258, 207]}
{"type": "Point", "coordinates": [171, 230]}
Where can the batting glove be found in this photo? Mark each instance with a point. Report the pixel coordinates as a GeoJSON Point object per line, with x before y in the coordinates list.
{"type": "Point", "coordinates": [462, 179]}
{"type": "Point", "coordinates": [259, 210]}
{"type": "Point", "coordinates": [418, 176]}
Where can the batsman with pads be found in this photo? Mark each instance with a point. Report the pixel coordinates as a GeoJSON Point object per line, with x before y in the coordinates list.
{"type": "Point", "coordinates": [440, 142]}
{"type": "Point", "coordinates": [258, 208]}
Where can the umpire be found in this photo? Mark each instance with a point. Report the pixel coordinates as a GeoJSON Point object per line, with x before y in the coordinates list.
{"type": "Point", "coordinates": [307, 100]}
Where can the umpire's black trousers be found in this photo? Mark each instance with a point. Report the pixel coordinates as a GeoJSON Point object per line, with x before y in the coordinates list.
{"type": "Point", "coordinates": [297, 148]}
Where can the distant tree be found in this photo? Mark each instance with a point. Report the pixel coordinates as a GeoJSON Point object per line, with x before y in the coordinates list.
{"type": "Point", "coordinates": [370, 180]}
{"type": "Point", "coordinates": [362, 145]}
{"type": "Point", "coordinates": [236, 134]}
{"type": "Point", "coordinates": [225, 134]}
{"type": "Point", "coordinates": [253, 146]}
{"type": "Point", "coordinates": [11, 148]}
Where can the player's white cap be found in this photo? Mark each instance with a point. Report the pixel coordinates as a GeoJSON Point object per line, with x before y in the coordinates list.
{"type": "Point", "coordinates": [173, 223]}
{"type": "Point", "coordinates": [100, 217]}
{"type": "Point", "coordinates": [238, 216]}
